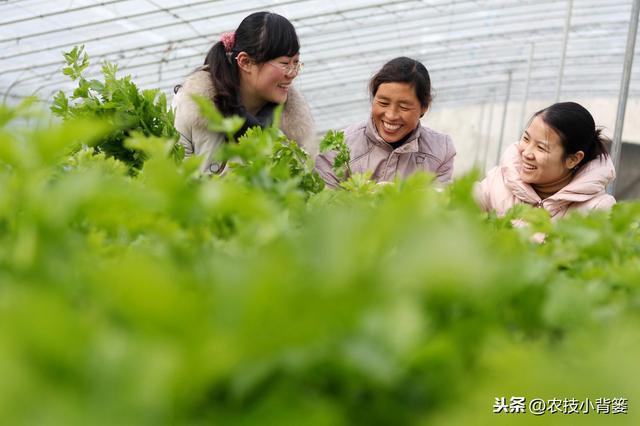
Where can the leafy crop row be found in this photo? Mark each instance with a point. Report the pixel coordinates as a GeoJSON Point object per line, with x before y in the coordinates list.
{"type": "Point", "coordinates": [165, 297]}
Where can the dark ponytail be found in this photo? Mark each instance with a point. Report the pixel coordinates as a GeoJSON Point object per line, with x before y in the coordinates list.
{"type": "Point", "coordinates": [577, 130]}
{"type": "Point", "coordinates": [226, 80]}
{"type": "Point", "coordinates": [263, 36]}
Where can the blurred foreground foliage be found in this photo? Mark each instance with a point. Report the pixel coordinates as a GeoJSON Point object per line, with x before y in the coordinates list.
{"type": "Point", "coordinates": [258, 298]}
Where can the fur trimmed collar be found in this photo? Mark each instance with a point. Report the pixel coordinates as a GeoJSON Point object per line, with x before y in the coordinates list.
{"type": "Point", "coordinates": [296, 122]}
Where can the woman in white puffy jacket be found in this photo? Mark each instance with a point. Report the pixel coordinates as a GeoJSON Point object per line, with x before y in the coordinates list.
{"type": "Point", "coordinates": [248, 73]}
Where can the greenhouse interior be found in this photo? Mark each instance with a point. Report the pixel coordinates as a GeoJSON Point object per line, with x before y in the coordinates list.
{"type": "Point", "coordinates": [117, 266]}
{"type": "Point", "coordinates": [492, 63]}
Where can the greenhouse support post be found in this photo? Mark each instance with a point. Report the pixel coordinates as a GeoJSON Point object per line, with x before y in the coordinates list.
{"type": "Point", "coordinates": [565, 41]}
{"type": "Point", "coordinates": [624, 89]}
{"type": "Point", "coordinates": [532, 48]}
{"type": "Point", "coordinates": [476, 156]}
{"type": "Point", "coordinates": [489, 128]}
{"type": "Point", "coordinates": [504, 116]}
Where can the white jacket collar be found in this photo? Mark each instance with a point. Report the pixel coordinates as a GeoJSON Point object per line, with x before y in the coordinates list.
{"type": "Point", "coordinates": [296, 121]}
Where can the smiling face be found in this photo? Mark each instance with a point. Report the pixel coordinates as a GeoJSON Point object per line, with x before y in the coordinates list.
{"type": "Point", "coordinates": [396, 110]}
{"type": "Point", "coordinates": [542, 155]}
{"type": "Point", "coordinates": [266, 82]}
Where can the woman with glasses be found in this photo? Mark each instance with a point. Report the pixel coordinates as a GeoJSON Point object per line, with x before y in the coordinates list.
{"type": "Point", "coordinates": [247, 73]}
{"type": "Point", "coordinates": [392, 142]}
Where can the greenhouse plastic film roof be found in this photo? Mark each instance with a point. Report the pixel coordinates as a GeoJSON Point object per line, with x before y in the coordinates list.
{"type": "Point", "coordinates": [470, 47]}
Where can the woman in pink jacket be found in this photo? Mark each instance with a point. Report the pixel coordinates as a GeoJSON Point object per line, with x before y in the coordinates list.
{"type": "Point", "coordinates": [392, 142]}
{"type": "Point", "coordinates": [560, 164]}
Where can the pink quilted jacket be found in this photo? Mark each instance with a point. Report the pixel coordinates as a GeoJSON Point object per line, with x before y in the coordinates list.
{"type": "Point", "coordinates": [503, 188]}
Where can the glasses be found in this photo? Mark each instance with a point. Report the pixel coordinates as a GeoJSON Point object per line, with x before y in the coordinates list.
{"type": "Point", "coordinates": [289, 69]}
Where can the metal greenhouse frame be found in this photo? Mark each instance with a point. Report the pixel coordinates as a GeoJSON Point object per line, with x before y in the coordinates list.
{"type": "Point", "coordinates": [490, 60]}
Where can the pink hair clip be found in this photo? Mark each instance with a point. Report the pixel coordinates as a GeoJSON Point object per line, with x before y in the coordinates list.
{"type": "Point", "coordinates": [228, 40]}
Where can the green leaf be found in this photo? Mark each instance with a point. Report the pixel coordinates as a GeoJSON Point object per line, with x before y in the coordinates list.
{"type": "Point", "coordinates": [334, 141]}
{"type": "Point", "coordinates": [119, 102]}
{"type": "Point", "coordinates": [216, 121]}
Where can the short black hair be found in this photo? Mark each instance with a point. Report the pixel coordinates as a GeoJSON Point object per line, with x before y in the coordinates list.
{"type": "Point", "coordinates": [404, 70]}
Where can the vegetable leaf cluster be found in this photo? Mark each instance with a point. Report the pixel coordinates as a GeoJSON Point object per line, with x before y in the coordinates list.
{"type": "Point", "coordinates": [118, 102]}
{"type": "Point", "coordinates": [257, 297]}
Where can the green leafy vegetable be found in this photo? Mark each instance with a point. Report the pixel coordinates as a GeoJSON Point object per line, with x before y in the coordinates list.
{"type": "Point", "coordinates": [118, 102]}
{"type": "Point", "coordinates": [334, 141]}
{"type": "Point", "coordinates": [256, 297]}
